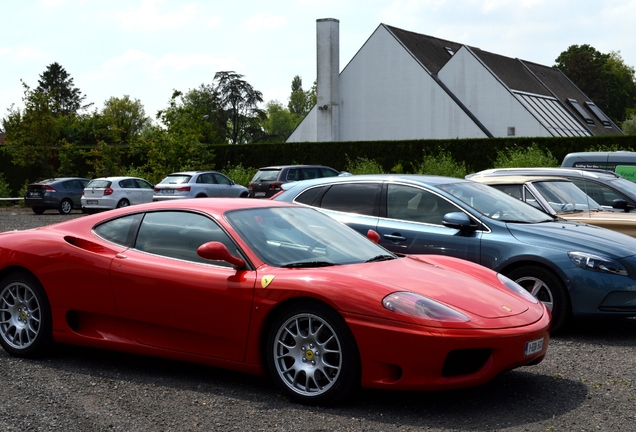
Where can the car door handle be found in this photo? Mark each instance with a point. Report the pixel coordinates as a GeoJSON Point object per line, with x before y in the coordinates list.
{"type": "Point", "coordinates": [394, 237]}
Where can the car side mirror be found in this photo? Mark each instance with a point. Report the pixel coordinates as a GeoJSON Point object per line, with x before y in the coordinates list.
{"type": "Point", "coordinates": [457, 220]}
{"type": "Point", "coordinates": [621, 204]}
{"type": "Point", "coordinates": [217, 251]}
{"type": "Point", "coordinates": [373, 236]}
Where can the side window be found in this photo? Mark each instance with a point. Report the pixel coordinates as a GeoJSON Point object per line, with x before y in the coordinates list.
{"type": "Point", "coordinates": [309, 173]}
{"type": "Point", "coordinates": [205, 178]}
{"type": "Point", "coordinates": [221, 179]}
{"type": "Point", "coordinates": [413, 204]}
{"type": "Point", "coordinates": [120, 231]}
{"type": "Point", "coordinates": [175, 234]}
{"type": "Point", "coordinates": [127, 184]}
{"type": "Point", "coordinates": [143, 184]}
{"type": "Point", "coordinates": [293, 174]}
{"type": "Point", "coordinates": [326, 172]}
{"type": "Point", "coordinates": [352, 198]}
{"type": "Point", "coordinates": [598, 192]}
{"type": "Point", "coordinates": [307, 197]}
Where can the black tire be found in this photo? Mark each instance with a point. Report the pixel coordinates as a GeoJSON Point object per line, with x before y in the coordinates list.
{"type": "Point", "coordinates": [548, 288]}
{"type": "Point", "coordinates": [25, 316]}
{"type": "Point", "coordinates": [123, 203]}
{"type": "Point", "coordinates": [312, 355]}
{"type": "Point", "coordinates": [66, 206]}
{"type": "Point", "coordinates": [37, 210]}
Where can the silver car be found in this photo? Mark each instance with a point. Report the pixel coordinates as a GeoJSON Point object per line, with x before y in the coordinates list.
{"type": "Point", "coordinates": [107, 193]}
{"type": "Point", "coordinates": [197, 184]}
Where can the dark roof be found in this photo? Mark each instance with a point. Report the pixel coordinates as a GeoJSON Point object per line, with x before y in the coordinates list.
{"type": "Point", "coordinates": [519, 76]}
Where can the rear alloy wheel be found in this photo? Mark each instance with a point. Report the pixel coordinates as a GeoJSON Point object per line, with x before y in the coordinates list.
{"type": "Point", "coordinates": [312, 354]}
{"type": "Point", "coordinates": [547, 288]}
{"type": "Point", "coordinates": [66, 206]}
{"type": "Point", "coordinates": [25, 316]}
{"type": "Point", "coordinates": [123, 203]}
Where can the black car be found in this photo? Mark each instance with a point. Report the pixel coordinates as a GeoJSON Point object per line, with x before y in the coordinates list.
{"type": "Point", "coordinates": [61, 194]}
{"type": "Point", "coordinates": [268, 180]}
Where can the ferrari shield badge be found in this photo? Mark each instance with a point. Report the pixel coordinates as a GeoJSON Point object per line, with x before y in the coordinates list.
{"type": "Point", "coordinates": [267, 280]}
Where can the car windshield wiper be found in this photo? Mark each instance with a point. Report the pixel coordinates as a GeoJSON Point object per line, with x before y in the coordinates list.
{"type": "Point", "coordinates": [380, 258]}
{"type": "Point", "coordinates": [308, 264]}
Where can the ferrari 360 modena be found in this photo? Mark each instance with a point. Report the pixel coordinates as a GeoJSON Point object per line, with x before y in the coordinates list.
{"type": "Point", "coordinates": [264, 288]}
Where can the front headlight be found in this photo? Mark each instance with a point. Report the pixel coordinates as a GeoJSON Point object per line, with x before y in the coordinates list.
{"type": "Point", "coordinates": [516, 288]}
{"type": "Point", "coordinates": [418, 306]}
{"type": "Point", "coordinates": [597, 263]}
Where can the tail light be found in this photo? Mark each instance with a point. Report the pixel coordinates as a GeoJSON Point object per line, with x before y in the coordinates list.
{"type": "Point", "coordinates": [275, 186]}
{"type": "Point", "coordinates": [183, 189]}
{"type": "Point", "coordinates": [50, 189]}
{"type": "Point", "coordinates": [108, 191]}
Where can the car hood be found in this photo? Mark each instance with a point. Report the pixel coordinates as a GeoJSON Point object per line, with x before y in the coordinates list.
{"type": "Point", "coordinates": [575, 236]}
{"type": "Point", "coordinates": [464, 286]}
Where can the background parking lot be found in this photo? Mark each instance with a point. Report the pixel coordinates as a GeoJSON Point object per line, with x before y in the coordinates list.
{"type": "Point", "coordinates": [586, 383]}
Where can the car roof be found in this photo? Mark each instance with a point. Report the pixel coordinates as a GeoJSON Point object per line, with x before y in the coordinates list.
{"type": "Point", "coordinates": [516, 179]}
{"type": "Point", "coordinates": [416, 179]}
{"type": "Point", "coordinates": [117, 178]}
{"type": "Point", "coordinates": [276, 167]}
{"type": "Point", "coordinates": [58, 179]}
{"type": "Point", "coordinates": [192, 172]}
{"type": "Point", "coordinates": [549, 171]}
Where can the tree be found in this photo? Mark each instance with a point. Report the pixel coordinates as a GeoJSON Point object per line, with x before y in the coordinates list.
{"type": "Point", "coordinates": [57, 87]}
{"type": "Point", "coordinates": [239, 108]}
{"type": "Point", "coordinates": [125, 117]}
{"type": "Point", "coordinates": [299, 102]}
{"type": "Point", "coordinates": [604, 78]}
{"type": "Point", "coordinates": [32, 133]}
{"type": "Point", "coordinates": [279, 122]}
{"type": "Point", "coordinates": [196, 112]}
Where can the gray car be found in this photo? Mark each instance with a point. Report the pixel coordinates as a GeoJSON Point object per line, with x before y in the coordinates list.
{"type": "Point", "coordinates": [197, 184]}
{"type": "Point", "coordinates": [575, 269]}
{"type": "Point", "coordinates": [61, 194]}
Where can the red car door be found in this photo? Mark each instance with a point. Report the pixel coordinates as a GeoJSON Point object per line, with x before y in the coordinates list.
{"type": "Point", "coordinates": [171, 299]}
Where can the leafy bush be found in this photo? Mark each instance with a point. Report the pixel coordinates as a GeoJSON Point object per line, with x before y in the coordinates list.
{"type": "Point", "coordinates": [442, 164]}
{"type": "Point", "coordinates": [5, 191]}
{"type": "Point", "coordinates": [239, 174]}
{"type": "Point", "coordinates": [532, 156]}
{"type": "Point", "coordinates": [363, 166]}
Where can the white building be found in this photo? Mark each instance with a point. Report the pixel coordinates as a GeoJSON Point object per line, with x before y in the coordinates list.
{"type": "Point", "coordinates": [402, 85]}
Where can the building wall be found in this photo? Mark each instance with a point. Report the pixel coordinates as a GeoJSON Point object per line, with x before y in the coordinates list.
{"type": "Point", "coordinates": [488, 98]}
{"type": "Point", "coordinates": [387, 95]}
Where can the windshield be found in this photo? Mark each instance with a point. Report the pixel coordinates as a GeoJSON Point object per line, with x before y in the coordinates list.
{"type": "Point", "coordinates": [302, 237]}
{"type": "Point", "coordinates": [565, 197]}
{"type": "Point", "coordinates": [493, 203]}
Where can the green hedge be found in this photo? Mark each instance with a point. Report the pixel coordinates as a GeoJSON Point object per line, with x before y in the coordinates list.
{"type": "Point", "coordinates": [476, 154]}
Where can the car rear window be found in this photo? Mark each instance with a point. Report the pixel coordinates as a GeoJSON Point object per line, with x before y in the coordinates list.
{"type": "Point", "coordinates": [266, 175]}
{"type": "Point", "coordinates": [176, 179]}
{"type": "Point", "coordinates": [98, 184]}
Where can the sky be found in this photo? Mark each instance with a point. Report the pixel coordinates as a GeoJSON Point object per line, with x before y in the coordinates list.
{"type": "Point", "coordinates": [146, 49]}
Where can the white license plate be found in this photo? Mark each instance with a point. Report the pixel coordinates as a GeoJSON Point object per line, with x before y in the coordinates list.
{"type": "Point", "coordinates": [168, 191]}
{"type": "Point", "coordinates": [259, 194]}
{"type": "Point", "coordinates": [533, 347]}
{"type": "Point", "coordinates": [91, 202]}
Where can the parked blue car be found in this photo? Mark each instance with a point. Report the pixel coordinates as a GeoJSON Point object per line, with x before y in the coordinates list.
{"type": "Point", "coordinates": [575, 269]}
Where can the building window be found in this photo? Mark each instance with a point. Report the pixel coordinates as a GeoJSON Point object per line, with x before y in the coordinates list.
{"type": "Point", "coordinates": [579, 109]}
{"type": "Point", "coordinates": [599, 114]}
{"type": "Point", "coordinates": [511, 131]}
{"type": "Point", "coordinates": [450, 51]}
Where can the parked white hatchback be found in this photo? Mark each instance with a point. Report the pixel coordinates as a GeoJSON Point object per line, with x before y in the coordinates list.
{"type": "Point", "coordinates": [106, 193]}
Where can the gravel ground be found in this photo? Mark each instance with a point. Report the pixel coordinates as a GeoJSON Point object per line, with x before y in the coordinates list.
{"type": "Point", "coordinates": [586, 383]}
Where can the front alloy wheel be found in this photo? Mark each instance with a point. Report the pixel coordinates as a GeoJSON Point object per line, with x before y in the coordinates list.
{"type": "Point", "coordinates": [25, 318]}
{"type": "Point", "coordinates": [312, 355]}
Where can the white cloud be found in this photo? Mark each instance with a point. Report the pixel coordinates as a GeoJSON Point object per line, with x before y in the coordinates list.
{"type": "Point", "coordinates": [148, 17]}
{"type": "Point", "coordinates": [260, 22]}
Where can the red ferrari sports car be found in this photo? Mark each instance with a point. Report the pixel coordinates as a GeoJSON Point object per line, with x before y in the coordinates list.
{"type": "Point", "coordinates": [266, 288]}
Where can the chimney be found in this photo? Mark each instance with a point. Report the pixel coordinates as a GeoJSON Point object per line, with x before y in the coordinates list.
{"type": "Point", "coordinates": [328, 83]}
